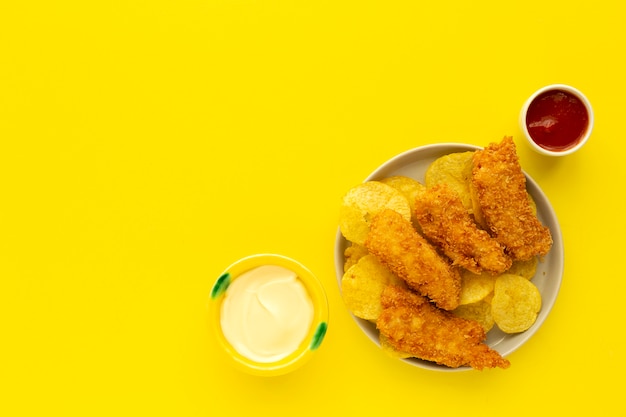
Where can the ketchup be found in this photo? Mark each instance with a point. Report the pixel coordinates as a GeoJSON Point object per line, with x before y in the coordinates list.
{"type": "Point", "coordinates": [557, 120]}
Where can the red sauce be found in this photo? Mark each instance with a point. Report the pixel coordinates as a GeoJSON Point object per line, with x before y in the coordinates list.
{"type": "Point", "coordinates": [557, 120]}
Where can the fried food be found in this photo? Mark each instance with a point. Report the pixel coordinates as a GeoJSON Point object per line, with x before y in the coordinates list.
{"type": "Point", "coordinates": [526, 269]}
{"type": "Point", "coordinates": [409, 187]}
{"type": "Point", "coordinates": [352, 254]}
{"type": "Point", "coordinates": [362, 285]}
{"type": "Point", "coordinates": [498, 189]}
{"type": "Point", "coordinates": [411, 324]}
{"type": "Point", "coordinates": [445, 221]}
{"type": "Point", "coordinates": [363, 201]}
{"type": "Point", "coordinates": [479, 311]}
{"type": "Point", "coordinates": [394, 241]}
{"type": "Point", "coordinates": [475, 287]}
{"type": "Point", "coordinates": [515, 304]}
{"type": "Point", "coordinates": [454, 169]}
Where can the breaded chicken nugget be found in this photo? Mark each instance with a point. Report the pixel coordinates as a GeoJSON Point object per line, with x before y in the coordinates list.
{"type": "Point", "coordinates": [396, 243]}
{"type": "Point", "coordinates": [499, 187]}
{"type": "Point", "coordinates": [444, 220]}
{"type": "Point", "coordinates": [413, 325]}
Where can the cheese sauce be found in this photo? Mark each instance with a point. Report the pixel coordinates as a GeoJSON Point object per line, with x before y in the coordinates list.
{"type": "Point", "coordinates": [266, 313]}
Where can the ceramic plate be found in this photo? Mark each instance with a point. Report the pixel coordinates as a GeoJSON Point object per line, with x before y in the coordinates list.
{"type": "Point", "coordinates": [414, 163]}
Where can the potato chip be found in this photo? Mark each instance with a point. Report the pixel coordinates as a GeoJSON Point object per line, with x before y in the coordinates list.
{"type": "Point", "coordinates": [363, 284]}
{"type": "Point", "coordinates": [533, 205]}
{"type": "Point", "coordinates": [479, 311]}
{"type": "Point", "coordinates": [365, 200]}
{"type": "Point", "coordinates": [515, 304]}
{"type": "Point", "coordinates": [386, 346]}
{"type": "Point", "coordinates": [526, 269]}
{"type": "Point", "coordinates": [475, 287]}
{"type": "Point", "coordinates": [455, 170]}
{"type": "Point", "coordinates": [352, 254]}
{"type": "Point", "coordinates": [476, 211]}
{"type": "Point", "coordinates": [409, 187]}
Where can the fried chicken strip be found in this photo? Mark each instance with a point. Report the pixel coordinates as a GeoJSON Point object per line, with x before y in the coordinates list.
{"type": "Point", "coordinates": [396, 243]}
{"type": "Point", "coordinates": [499, 188]}
{"type": "Point", "coordinates": [444, 220]}
{"type": "Point", "coordinates": [413, 325]}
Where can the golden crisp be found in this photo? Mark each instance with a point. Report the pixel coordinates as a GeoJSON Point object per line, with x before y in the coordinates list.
{"type": "Point", "coordinates": [363, 201]}
{"type": "Point", "coordinates": [394, 241]}
{"type": "Point", "coordinates": [352, 254]}
{"type": "Point", "coordinates": [362, 285]}
{"type": "Point", "coordinates": [526, 269]}
{"type": "Point", "coordinates": [475, 287]}
{"type": "Point", "coordinates": [445, 222]}
{"type": "Point", "coordinates": [409, 187]}
{"type": "Point", "coordinates": [516, 303]}
{"type": "Point", "coordinates": [454, 169]}
{"type": "Point", "coordinates": [479, 311]}
{"type": "Point", "coordinates": [413, 325]}
{"type": "Point", "coordinates": [498, 187]}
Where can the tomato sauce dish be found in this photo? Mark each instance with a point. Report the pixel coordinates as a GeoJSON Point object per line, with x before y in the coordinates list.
{"type": "Point", "coordinates": [557, 120]}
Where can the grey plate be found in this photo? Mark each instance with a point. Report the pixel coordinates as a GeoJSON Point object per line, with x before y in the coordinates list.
{"type": "Point", "coordinates": [413, 163]}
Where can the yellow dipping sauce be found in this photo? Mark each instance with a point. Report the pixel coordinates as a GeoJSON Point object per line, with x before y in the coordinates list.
{"type": "Point", "coordinates": [266, 313]}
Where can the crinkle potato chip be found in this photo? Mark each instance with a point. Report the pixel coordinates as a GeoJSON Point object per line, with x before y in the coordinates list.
{"type": "Point", "coordinates": [362, 285]}
{"type": "Point", "coordinates": [475, 287]}
{"type": "Point", "coordinates": [365, 200]}
{"type": "Point", "coordinates": [515, 304]}
{"type": "Point", "coordinates": [479, 311]}
{"type": "Point", "coordinates": [526, 269]}
{"type": "Point", "coordinates": [352, 254]}
{"type": "Point", "coordinates": [408, 186]}
{"type": "Point", "coordinates": [455, 170]}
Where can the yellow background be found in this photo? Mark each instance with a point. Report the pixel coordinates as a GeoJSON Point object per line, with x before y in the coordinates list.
{"type": "Point", "coordinates": [146, 145]}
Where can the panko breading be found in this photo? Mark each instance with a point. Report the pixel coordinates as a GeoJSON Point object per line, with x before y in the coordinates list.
{"type": "Point", "coordinates": [499, 189]}
{"type": "Point", "coordinates": [444, 220]}
{"type": "Point", "coordinates": [396, 243]}
{"type": "Point", "coordinates": [413, 325]}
